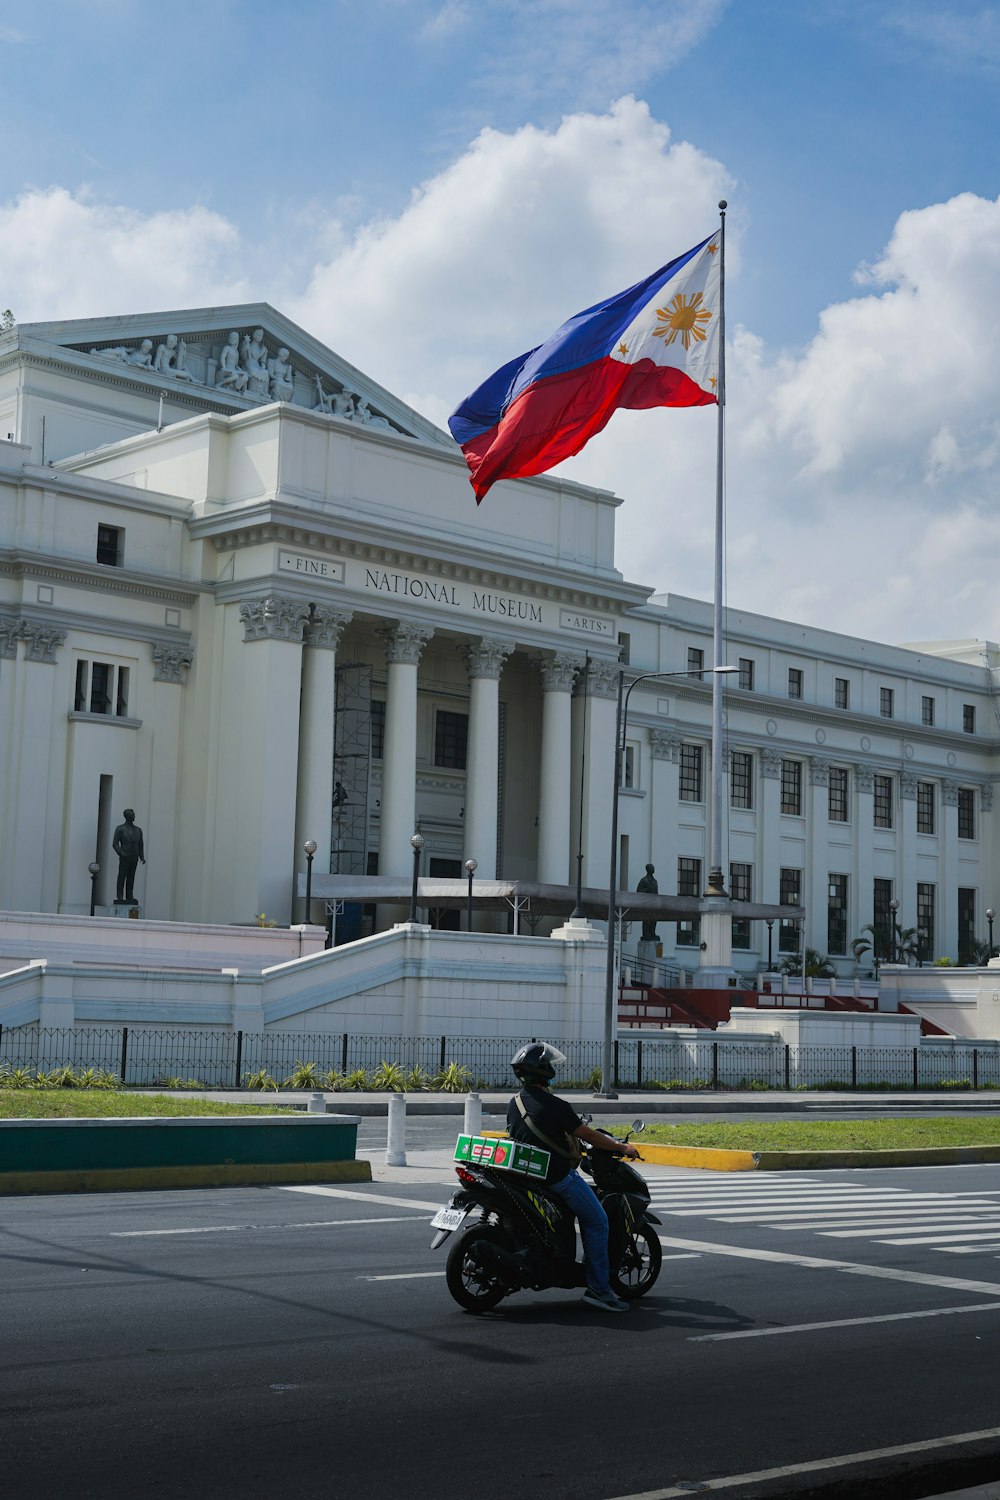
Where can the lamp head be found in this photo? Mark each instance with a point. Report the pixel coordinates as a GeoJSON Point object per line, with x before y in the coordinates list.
{"type": "Point", "coordinates": [94, 867]}
{"type": "Point", "coordinates": [990, 914]}
{"type": "Point", "coordinates": [471, 867]}
{"type": "Point", "coordinates": [310, 846]}
{"type": "Point", "coordinates": [416, 842]}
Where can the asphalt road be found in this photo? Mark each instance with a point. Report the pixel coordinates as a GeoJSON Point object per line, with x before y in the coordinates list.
{"type": "Point", "coordinates": [286, 1342]}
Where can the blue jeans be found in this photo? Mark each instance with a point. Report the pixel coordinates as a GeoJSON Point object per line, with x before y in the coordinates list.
{"type": "Point", "coordinates": [581, 1199]}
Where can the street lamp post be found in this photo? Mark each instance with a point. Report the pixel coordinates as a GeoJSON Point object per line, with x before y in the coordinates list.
{"type": "Point", "coordinates": [310, 846]}
{"type": "Point", "coordinates": [921, 939]}
{"type": "Point", "coordinates": [95, 870]}
{"type": "Point", "coordinates": [990, 914]}
{"type": "Point", "coordinates": [606, 1091]}
{"type": "Point", "coordinates": [894, 909]}
{"type": "Point", "coordinates": [470, 869]}
{"type": "Point", "coordinates": [416, 844]}
{"type": "Point", "coordinates": [770, 936]}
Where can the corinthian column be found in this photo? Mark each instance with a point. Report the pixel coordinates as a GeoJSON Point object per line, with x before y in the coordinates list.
{"type": "Point", "coordinates": [552, 865]}
{"type": "Point", "coordinates": [482, 766]}
{"type": "Point", "coordinates": [314, 804]}
{"type": "Point", "coordinates": [404, 644]}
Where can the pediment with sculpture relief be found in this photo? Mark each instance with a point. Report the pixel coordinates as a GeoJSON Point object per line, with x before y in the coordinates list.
{"type": "Point", "coordinates": [235, 357]}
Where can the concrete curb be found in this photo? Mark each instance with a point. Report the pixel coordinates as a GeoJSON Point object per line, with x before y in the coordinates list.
{"type": "Point", "coordinates": [712, 1159]}
{"type": "Point", "coordinates": [148, 1179]}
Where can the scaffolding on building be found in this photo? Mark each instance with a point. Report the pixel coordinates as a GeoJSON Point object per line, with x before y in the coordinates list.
{"type": "Point", "coordinates": [351, 766]}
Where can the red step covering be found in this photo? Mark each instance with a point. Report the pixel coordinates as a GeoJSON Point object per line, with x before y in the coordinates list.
{"type": "Point", "coordinates": [927, 1028]}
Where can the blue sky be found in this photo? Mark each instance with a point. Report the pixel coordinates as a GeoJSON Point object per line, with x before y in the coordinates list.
{"type": "Point", "coordinates": [433, 185]}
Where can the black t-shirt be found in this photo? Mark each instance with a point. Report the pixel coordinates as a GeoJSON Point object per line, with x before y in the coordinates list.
{"type": "Point", "coordinates": [554, 1118]}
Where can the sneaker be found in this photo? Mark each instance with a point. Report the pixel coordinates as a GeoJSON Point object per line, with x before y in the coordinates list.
{"type": "Point", "coordinates": [606, 1301]}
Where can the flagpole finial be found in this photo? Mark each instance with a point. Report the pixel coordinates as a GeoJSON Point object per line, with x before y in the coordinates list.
{"type": "Point", "coordinates": [723, 204]}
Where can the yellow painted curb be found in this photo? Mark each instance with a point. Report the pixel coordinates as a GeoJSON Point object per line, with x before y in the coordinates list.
{"type": "Point", "coordinates": [707, 1157]}
{"type": "Point", "coordinates": [147, 1179]}
{"type": "Point", "coordinates": [927, 1156]}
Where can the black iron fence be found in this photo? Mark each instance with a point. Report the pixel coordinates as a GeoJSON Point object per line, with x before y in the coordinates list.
{"type": "Point", "coordinates": [221, 1058]}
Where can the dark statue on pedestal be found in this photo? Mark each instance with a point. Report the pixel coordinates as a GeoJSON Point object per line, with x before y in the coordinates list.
{"type": "Point", "coordinates": [127, 844]}
{"type": "Point", "coordinates": [648, 887]}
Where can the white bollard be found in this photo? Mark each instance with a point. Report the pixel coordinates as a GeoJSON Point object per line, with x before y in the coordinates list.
{"type": "Point", "coordinates": [316, 1105]}
{"type": "Point", "coordinates": [395, 1145]}
{"type": "Point", "coordinates": [473, 1114]}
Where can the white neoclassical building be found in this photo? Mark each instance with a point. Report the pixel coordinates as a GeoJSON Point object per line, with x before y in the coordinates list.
{"type": "Point", "coordinates": [246, 592]}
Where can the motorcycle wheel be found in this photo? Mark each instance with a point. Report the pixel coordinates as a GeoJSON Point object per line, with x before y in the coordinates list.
{"type": "Point", "coordinates": [640, 1265]}
{"type": "Point", "coordinates": [471, 1285]}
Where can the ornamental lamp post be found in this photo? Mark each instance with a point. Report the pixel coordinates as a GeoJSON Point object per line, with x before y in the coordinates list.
{"type": "Point", "coordinates": [894, 909]}
{"type": "Point", "coordinates": [770, 937]}
{"type": "Point", "coordinates": [990, 914]}
{"type": "Point", "coordinates": [95, 870]}
{"type": "Point", "coordinates": [470, 869]}
{"type": "Point", "coordinates": [416, 844]}
{"type": "Point", "coordinates": [310, 846]}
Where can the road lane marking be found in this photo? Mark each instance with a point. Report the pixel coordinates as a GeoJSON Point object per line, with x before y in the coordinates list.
{"type": "Point", "coordinates": [818, 1263]}
{"type": "Point", "coordinates": [837, 1461]}
{"type": "Point", "coordinates": [763, 1333]}
{"type": "Point", "coordinates": [332, 1192]}
{"type": "Point", "coordinates": [138, 1234]}
{"type": "Point", "coordinates": [988, 1228]}
{"type": "Point", "coordinates": [403, 1276]}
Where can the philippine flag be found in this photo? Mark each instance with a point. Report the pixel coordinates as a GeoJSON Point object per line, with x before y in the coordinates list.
{"type": "Point", "coordinates": [656, 344]}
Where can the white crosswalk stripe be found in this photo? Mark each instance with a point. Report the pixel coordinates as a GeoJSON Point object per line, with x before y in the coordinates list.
{"type": "Point", "coordinates": [959, 1223]}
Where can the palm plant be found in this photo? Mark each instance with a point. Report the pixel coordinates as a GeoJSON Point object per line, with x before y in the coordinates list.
{"type": "Point", "coordinates": [818, 966]}
{"type": "Point", "coordinates": [887, 944]}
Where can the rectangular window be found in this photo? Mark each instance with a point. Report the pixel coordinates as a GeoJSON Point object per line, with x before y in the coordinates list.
{"type": "Point", "coordinates": [841, 693]}
{"type": "Point", "coordinates": [966, 924]}
{"type": "Point", "coordinates": [690, 774]}
{"type": "Point", "coordinates": [741, 889]}
{"type": "Point", "coordinates": [746, 673]}
{"type": "Point", "coordinates": [451, 737]}
{"type": "Point", "coordinates": [926, 905]}
{"type": "Point", "coordinates": [791, 788]}
{"type": "Point", "coordinates": [795, 682]}
{"type": "Point", "coordinates": [838, 794]}
{"type": "Point", "coordinates": [109, 546]}
{"type": "Point", "coordinates": [741, 780]}
{"type": "Point", "coordinates": [886, 700]}
{"type": "Point", "coordinates": [926, 710]}
{"type": "Point", "coordinates": [882, 919]}
{"type": "Point", "coordinates": [926, 816]}
{"type": "Point", "coordinates": [696, 659]}
{"type": "Point", "coordinates": [624, 647]}
{"type": "Point", "coordinates": [101, 688]}
{"type": "Point", "coordinates": [969, 718]}
{"type": "Point", "coordinates": [836, 914]}
{"type": "Point", "coordinates": [628, 767]}
{"type": "Point", "coordinates": [883, 802]}
{"type": "Point", "coordinates": [688, 884]}
{"type": "Point", "coordinates": [378, 729]}
{"type": "Point", "coordinates": [966, 813]}
{"type": "Point", "coordinates": [789, 894]}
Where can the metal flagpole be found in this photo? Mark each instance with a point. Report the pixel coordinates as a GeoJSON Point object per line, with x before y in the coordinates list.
{"type": "Point", "coordinates": [716, 879]}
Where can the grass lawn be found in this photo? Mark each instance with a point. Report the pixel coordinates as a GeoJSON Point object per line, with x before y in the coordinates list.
{"type": "Point", "coordinates": [78, 1104]}
{"type": "Point", "coordinates": [829, 1135]}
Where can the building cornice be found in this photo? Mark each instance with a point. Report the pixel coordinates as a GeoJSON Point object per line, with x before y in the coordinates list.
{"type": "Point", "coordinates": [21, 565]}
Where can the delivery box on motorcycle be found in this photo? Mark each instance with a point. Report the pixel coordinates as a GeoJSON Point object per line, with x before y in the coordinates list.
{"type": "Point", "coordinates": [509, 1156]}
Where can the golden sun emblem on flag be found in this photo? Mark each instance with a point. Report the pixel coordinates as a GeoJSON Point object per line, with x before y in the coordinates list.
{"type": "Point", "coordinates": [682, 318]}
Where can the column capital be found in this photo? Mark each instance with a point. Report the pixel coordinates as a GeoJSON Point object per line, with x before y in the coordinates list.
{"type": "Point", "coordinates": [8, 638]}
{"type": "Point", "coordinates": [41, 641]}
{"type": "Point", "coordinates": [559, 672]}
{"type": "Point", "coordinates": [908, 785]}
{"type": "Point", "coordinates": [169, 660]}
{"type": "Point", "coordinates": [487, 656]}
{"type": "Point", "coordinates": [604, 678]}
{"type": "Point", "coordinates": [325, 626]}
{"type": "Point", "coordinates": [986, 797]}
{"type": "Point", "coordinates": [405, 642]}
{"type": "Point", "coordinates": [665, 745]}
{"type": "Point", "coordinates": [819, 771]}
{"type": "Point", "coordinates": [949, 793]}
{"type": "Point", "coordinates": [770, 764]}
{"type": "Point", "coordinates": [272, 617]}
{"type": "Point", "coordinates": [864, 778]}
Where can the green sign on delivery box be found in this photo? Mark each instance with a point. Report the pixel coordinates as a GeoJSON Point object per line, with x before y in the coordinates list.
{"type": "Point", "coordinates": [511, 1156]}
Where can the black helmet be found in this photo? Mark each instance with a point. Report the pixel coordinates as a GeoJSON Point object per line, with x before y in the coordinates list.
{"type": "Point", "coordinates": [536, 1063]}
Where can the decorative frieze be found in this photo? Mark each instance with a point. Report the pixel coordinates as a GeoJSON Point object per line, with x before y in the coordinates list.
{"type": "Point", "coordinates": [325, 626]}
{"type": "Point", "coordinates": [864, 778]}
{"type": "Point", "coordinates": [41, 641]}
{"type": "Point", "coordinates": [170, 661]}
{"type": "Point", "coordinates": [486, 658]}
{"type": "Point", "coordinates": [559, 672]}
{"type": "Point", "coordinates": [405, 642]}
{"type": "Point", "coordinates": [273, 618]}
{"type": "Point", "coordinates": [770, 764]}
{"type": "Point", "coordinates": [819, 771]}
{"type": "Point", "coordinates": [665, 745]}
{"type": "Point", "coordinates": [949, 793]}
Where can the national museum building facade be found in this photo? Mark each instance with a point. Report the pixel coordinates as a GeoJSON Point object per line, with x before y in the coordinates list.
{"type": "Point", "coordinates": [247, 593]}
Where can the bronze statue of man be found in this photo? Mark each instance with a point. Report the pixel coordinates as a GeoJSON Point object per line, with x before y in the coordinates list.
{"type": "Point", "coordinates": [127, 844]}
{"type": "Point", "coordinates": [648, 886]}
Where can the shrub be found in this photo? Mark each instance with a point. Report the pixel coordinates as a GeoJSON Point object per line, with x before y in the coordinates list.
{"type": "Point", "coordinates": [354, 1083]}
{"type": "Point", "coordinates": [416, 1079]}
{"type": "Point", "coordinates": [453, 1079]}
{"type": "Point", "coordinates": [260, 1080]}
{"type": "Point", "coordinates": [303, 1076]}
{"type": "Point", "coordinates": [388, 1076]}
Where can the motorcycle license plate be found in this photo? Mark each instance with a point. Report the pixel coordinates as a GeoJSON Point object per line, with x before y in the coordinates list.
{"type": "Point", "coordinates": [448, 1218]}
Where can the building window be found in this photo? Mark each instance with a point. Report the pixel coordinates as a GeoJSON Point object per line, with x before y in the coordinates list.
{"type": "Point", "coordinates": [628, 768]}
{"type": "Point", "coordinates": [789, 894]}
{"type": "Point", "coordinates": [109, 546]}
{"type": "Point", "coordinates": [925, 919]}
{"type": "Point", "coordinates": [883, 802]}
{"type": "Point", "coordinates": [966, 813]}
{"type": "Point", "coordinates": [795, 682]}
{"type": "Point", "coordinates": [966, 924]}
{"type": "Point", "coordinates": [624, 647]}
{"type": "Point", "coordinates": [886, 699]}
{"type": "Point", "coordinates": [836, 914]}
{"type": "Point", "coordinates": [791, 788]}
{"type": "Point", "coordinates": [926, 710]}
{"type": "Point", "coordinates": [746, 673]}
{"type": "Point", "coordinates": [969, 718]}
{"type": "Point", "coordinates": [378, 729]}
{"type": "Point", "coordinates": [882, 919]}
{"type": "Point", "coordinates": [838, 794]}
{"type": "Point", "coordinates": [841, 693]}
{"type": "Point", "coordinates": [690, 774]}
{"type": "Point", "coordinates": [741, 780]}
{"type": "Point", "coordinates": [696, 659]}
{"type": "Point", "coordinates": [101, 688]}
{"type": "Point", "coordinates": [451, 737]}
{"type": "Point", "coordinates": [925, 807]}
{"type": "Point", "coordinates": [688, 884]}
{"type": "Point", "coordinates": [741, 889]}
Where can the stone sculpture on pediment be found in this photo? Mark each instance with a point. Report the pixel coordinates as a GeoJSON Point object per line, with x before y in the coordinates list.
{"type": "Point", "coordinates": [367, 418]}
{"type": "Point", "coordinates": [170, 359]}
{"type": "Point", "coordinates": [253, 357]}
{"type": "Point", "coordinates": [141, 357]}
{"type": "Point", "coordinates": [280, 377]}
{"type": "Point", "coordinates": [231, 374]}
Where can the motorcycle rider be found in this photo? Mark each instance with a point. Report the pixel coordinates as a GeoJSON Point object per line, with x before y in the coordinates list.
{"type": "Point", "coordinates": [552, 1121]}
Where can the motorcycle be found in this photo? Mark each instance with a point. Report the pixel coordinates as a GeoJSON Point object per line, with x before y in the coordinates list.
{"type": "Point", "coordinates": [525, 1238]}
